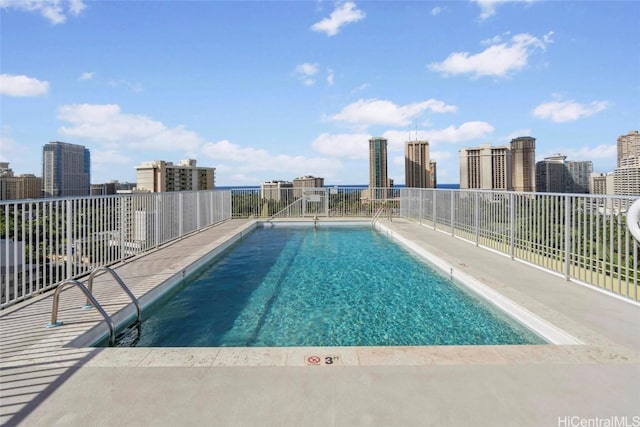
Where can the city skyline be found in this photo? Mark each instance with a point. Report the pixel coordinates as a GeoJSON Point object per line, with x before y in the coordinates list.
{"type": "Point", "coordinates": [276, 90]}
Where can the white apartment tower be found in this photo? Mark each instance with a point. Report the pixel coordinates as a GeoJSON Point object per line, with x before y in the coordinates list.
{"type": "Point", "coordinates": [626, 179]}
{"type": "Point", "coordinates": [159, 176]}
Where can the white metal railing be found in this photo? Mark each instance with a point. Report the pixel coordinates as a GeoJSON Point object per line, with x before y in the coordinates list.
{"type": "Point", "coordinates": [582, 237]}
{"type": "Point", "coordinates": [343, 201]}
{"type": "Point", "coordinates": [44, 242]}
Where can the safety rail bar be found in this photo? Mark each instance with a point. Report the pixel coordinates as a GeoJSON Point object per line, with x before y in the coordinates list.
{"type": "Point", "coordinates": [56, 301]}
{"type": "Point", "coordinates": [286, 208]}
{"type": "Point", "coordinates": [633, 220]}
{"type": "Point", "coordinates": [119, 281]}
{"type": "Point", "coordinates": [377, 215]}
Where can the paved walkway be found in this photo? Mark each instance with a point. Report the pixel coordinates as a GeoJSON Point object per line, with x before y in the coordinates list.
{"type": "Point", "coordinates": [44, 381]}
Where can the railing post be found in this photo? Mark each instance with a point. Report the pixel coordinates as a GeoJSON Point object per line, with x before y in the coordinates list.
{"type": "Point", "coordinates": [69, 236]}
{"type": "Point", "coordinates": [120, 202]}
{"type": "Point", "coordinates": [433, 192]}
{"type": "Point", "coordinates": [453, 233]}
{"type": "Point", "coordinates": [476, 216]}
{"type": "Point", "coordinates": [512, 224]}
{"type": "Point", "coordinates": [421, 199]}
{"type": "Point", "coordinates": [156, 218]}
{"type": "Point", "coordinates": [567, 236]}
{"type": "Point", "coordinates": [180, 214]}
{"type": "Point", "coordinates": [198, 211]}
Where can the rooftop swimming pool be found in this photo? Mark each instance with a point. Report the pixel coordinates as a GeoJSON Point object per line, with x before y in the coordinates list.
{"type": "Point", "coordinates": [326, 286]}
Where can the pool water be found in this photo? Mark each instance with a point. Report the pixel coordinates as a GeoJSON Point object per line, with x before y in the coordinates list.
{"type": "Point", "coordinates": [300, 286]}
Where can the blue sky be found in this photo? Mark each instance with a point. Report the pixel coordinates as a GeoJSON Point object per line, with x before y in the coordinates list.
{"type": "Point", "coordinates": [276, 90]}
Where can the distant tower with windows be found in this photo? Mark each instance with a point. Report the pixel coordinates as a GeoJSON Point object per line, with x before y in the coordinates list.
{"type": "Point", "coordinates": [626, 179]}
{"type": "Point", "coordinates": [556, 174]}
{"type": "Point", "coordinates": [419, 170]}
{"type": "Point", "coordinates": [66, 170]}
{"type": "Point", "coordinates": [378, 177]}
{"type": "Point", "coordinates": [523, 163]}
{"type": "Point", "coordinates": [508, 167]}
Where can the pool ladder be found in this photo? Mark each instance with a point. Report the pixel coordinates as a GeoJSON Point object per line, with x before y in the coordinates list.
{"type": "Point", "coordinates": [377, 215]}
{"type": "Point", "coordinates": [91, 300]}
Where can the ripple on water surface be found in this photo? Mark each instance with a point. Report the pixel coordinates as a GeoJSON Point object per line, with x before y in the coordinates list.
{"type": "Point", "coordinates": [325, 287]}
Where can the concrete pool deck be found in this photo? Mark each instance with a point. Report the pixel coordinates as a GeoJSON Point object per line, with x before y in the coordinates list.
{"type": "Point", "coordinates": [44, 381]}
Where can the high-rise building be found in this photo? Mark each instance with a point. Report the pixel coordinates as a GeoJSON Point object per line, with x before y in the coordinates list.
{"type": "Point", "coordinates": [551, 174]}
{"type": "Point", "coordinates": [434, 173]}
{"type": "Point", "coordinates": [160, 176]}
{"type": "Point", "coordinates": [280, 191]}
{"type": "Point", "coordinates": [578, 176]}
{"type": "Point", "coordinates": [601, 183]}
{"type": "Point", "coordinates": [25, 186]}
{"type": "Point", "coordinates": [523, 163]}
{"type": "Point", "coordinates": [486, 167]}
{"type": "Point", "coordinates": [378, 177]}
{"type": "Point", "coordinates": [66, 170]}
{"type": "Point", "coordinates": [419, 170]}
{"type": "Point", "coordinates": [626, 178]}
{"type": "Point", "coordinates": [508, 167]}
{"type": "Point", "coordinates": [103, 189]}
{"type": "Point", "coordinates": [628, 145]}
{"type": "Point", "coordinates": [556, 174]}
{"type": "Point", "coordinates": [306, 181]}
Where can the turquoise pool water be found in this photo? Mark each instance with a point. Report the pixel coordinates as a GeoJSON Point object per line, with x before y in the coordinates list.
{"type": "Point", "coordinates": [300, 286]}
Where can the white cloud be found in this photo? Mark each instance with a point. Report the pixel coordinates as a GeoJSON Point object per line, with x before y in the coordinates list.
{"type": "Point", "coordinates": [515, 134]}
{"type": "Point", "coordinates": [398, 161]}
{"type": "Point", "coordinates": [8, 145]}
{"type": "Point", "coordinates": [488, 7]}
{"type": "Point", "coordinates": [346, 145]}
{"type": "Point", "coordinates": [134, 87]}
{"type": "Point", "coordinates": [108, 125]}
{"type": "Point", "coordinates": [330, 77]}
{"type": "Point", "coordinates": [361, 87]}
{"type": "Point", "coordinates": [440, 156]}
{"type": "Point", "coordinates": [436, 11]}
{"type": "Point", "coordinates": [22, 86]}
{"type": "Point", "coordinates": [56, 11]}
{"type": "Point", "coordinates": [249, 160]}
{"type": "Point", "coordinates": [467, 131]}
{"type": "Point", "coordinates": [306, 73]}
{"type": "Point", "coordinates": [382, 112]}
{"type": "Point", "coordinates": [343, 14]}
{"type": "Point", "coordinates": [498, 60]}
{"type": "Point", "coordinates": [86, 76]}
{"type": "Point", "coordinates": [101, 158]}
{"type": "Point", "coordinates": [565, 111]}
{"type": "Point", "coordinates": [598, 153]}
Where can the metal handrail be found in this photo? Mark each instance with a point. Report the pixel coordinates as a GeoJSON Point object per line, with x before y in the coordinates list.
{"type": "Point", "coordinates": [633, 220]}
{"type": "Point", "coordinates": [56, 302]}
{"type": "Point", "coordinates": [119, 281]}
{"type": "Point", "coordinates": [377, 215]}
{"type": "Point", "coordinates": [284, 209]}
